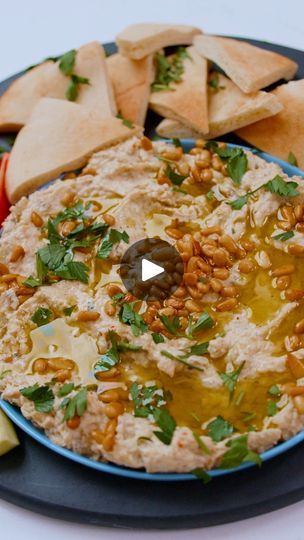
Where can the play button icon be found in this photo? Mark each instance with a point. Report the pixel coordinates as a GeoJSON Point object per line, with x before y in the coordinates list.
{"type": "Point", "coordinates": [151, 269]}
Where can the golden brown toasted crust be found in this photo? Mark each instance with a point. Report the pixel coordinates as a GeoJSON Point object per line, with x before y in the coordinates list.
{"type": "Point", "coordinates": [22, 95]}
{"type": "Point", "coordinates": [18, 101]}
{"type": "Point", "coordinates": [59, 136]}
{"type": "Point", "coordinates": [139, 40]}
{"type": "Point", "coordinates": [250, 67]}
{"type": "Point", "coordinates": [284, 132]}
{"type": "Point", "coordinates": [131, 80]}
{"type": "Point", "coordinates": [228, 108]}
{"type": "Point", "coordinates": [188, 102]}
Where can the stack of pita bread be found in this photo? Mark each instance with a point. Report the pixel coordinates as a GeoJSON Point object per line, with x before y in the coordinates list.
{"type": "Point", "coordinates": [56, 135]}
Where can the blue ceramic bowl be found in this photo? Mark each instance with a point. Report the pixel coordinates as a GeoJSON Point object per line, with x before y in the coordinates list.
{"type": "Point", "coordinates": [15, 415]}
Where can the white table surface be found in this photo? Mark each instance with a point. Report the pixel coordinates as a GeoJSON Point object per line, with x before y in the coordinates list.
{"type": "Point", "coordinates": [34, 29]}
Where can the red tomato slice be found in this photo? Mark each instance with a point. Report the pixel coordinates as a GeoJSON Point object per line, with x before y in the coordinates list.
{"type": "Point", "coordinates": [4, 204]}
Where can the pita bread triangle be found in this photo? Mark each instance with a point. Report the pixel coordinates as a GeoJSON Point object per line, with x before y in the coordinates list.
{"type": "Point", "coordinates": [284, 132]}
{"type": "Point", "coordinates": [187, 103]}
{"type": "Point", "coordinates": [46, 80]}
{"type": "Point", "coordinates": [59, 137]}
{"type": "Point", "coordinates": [250, 67]}
{"type": "Point", "coordinates": [131, 81]}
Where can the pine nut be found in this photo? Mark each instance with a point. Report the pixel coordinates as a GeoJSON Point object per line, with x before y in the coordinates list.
{"type": "Point", "coordinates": [109, 219]}
{"type": "Point", "coordinates": [108, 442]}
{"type": "Point", "coordinates": [67, 227]}
{"type": "Point", "coordinates": [73, 423]}
{"type": "Point", "coordinates": [8, 359]}
{"type": "Point", "coordinates": [211, 230]}
{"type": "Point", "coordinates": [190, 278]}
{"type": "Point", "coordinates": [3, 269]}
{"type": "Point", "coordinates": [220, 257]}
{"type": "Point", "coordinates": [69, 198]}
{"type": "Point", "coordinates": [228, 243]}
{"type": "Point", "coordinates": [17, 253]}
{"type": "Point", "coordinates": [300, 227]}
{"type": "Point", "coordinates": [299, 327]}
{"type": "Point", "coordinates": [208, 250]}
{"type": "Point", "coordinates": [284, 270]}
{"type": "Point", "coordinates": [98, 436]}
{"type": "Point", "coordinates": [60, 363]}
{"type": "Point", "coordinates": [146, 144]}
{"type": "Point", "coordinates": [3, 287]}
{"type": "Point", "coordinates": [299, 212]}
{"type": "Point", "coordinates": [227, 305]}
{"type": "Point", "coordinates": [193, 306]}
{"type": "Point", "coordinates": [195, 151]}
{"type": "Point", "coordinates": [113, 289]}
{"type": "Point", "coordinates": [173, 302]}
{"type": "Point", "coordinates": [183, 168]}
{"type": "Point", "coordinates": [36, 219]}
{"type": "Point", "coordinates": [180, 292]}
{"type": "Point", "coordinates": [8, 278]}
{"type": "Point", "coordinates": [247, 245]}
{"type": "Point", "coordinates": [287, 214]}
{"type": "Point", "coordinates": [215, 285]}
{"type": "Point", "coordinates": [294, 294]}
{"type": "Point", "coordinates": [40, 366]}
{"type": "Point", "coordinates": [295, 365]}
{"type": "Point", "coordinates": [109, 308]}
{"type": "Point", "coordinates": [113, 409]}
{"type": "Point", "coordinates": [229, 291]}
{"type": "Point", "coordinates": [283, 283]}
{"type": "Point", "coordinates": [221, 273]}
{"type": "Point", "coordinates": [108, 396]}
{"type": "Point", "coordinates": [200, 143]}
{"type": "Point", "coordinates": [246, 266]}
{"type": "Point", "coordinates": [88, 316]}
{"type": "Point", "coordinates": [295, 249]}
{"type": "Point", "coordinates": [107, 375]}
{"type": "Point", "coordinates": [292, 343]}
{"type": "Point", "coordinates": [206, 175]}
{"type": "Point", "coordinates": [173, 233]}
{"type": "Point", "coordinates": [202, 163]}
{"type": "Point", "coordinates": [292, 389]}
{"type": "Point", "coordinates": [62, 375]}
{"type": "Point", "coordinates": [69, 176]}
{"type": "Point", "coordinates": [175, 154]}
{"type": "Point", "coordinates": [203, 287]}
{"type": "Point", "coordinates": [167, 311]}
{"type": "Point", "coordinates": [194, 293]}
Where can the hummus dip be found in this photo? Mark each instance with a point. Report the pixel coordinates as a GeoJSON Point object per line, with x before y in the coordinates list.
{"type": "Point", "coordinates": [210, 377]}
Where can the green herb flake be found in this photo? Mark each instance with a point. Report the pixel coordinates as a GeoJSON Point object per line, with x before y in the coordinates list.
{"type": "Point", "coordinates": [42, 316]}
{"type": "Point", "coordinates": [272, 408]}
{"type": "Point", "coordinates": [292, 159]}
{"type": "Point", "coordinates": [284, 236]}
{"type": "Point", "coordinates": [219, 429]}
{"type": "Point", "coordinates": [176, 141]}
{"type": "Point", "coordinates": [113, 237]}
{"type": "Point", "coordinates": [201, 443]}
{"type": "Point", "coordinates": [280, 187]}
{"type": "Point", "coordinates": [230, 379]}
{"type": "Point", "coordinates": [75, 406]}
{"type": "Point", "coordinates": [67, 62]}
{"type": "Point", "coordinates": [69, 310]}
{"type": "Point", "coordinates": [175, 178]}
{"type": "Point", "coordinates": [166, 423]}
{"type": "Point", "coordinates": [42, 396]}
{"type": "Point", "coordinates": [274, 390]}
{"type": "Point", "coordinates": [172, 325]}
{"type": "Point", "coordinates": [202, 475]}
{"type": "Point", "coordinates": [128, 315]}
{"type": "Point", "coordinates": [238, 453]}
{"type": "Point", "coordinates": [169, 70]}
{"type": "Point", "coordinates": [148, 398]}
{"type": "Point", "coordinates": [125, 121]}
{"type": "Point", "coordinates": [65, 389]}
{"type": "Point", "coordinates": [157, 338]}
{"type": "Point", "coordinates": [204, 322]}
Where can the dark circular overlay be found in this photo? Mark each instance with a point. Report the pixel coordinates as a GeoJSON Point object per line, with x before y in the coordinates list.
{"type": "Point", "coordinates": [160, 253]}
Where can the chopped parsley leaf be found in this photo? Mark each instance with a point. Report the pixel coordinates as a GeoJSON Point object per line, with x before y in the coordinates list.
{"type": "Point", "coordinates": [42, 396]}
{"type": "Point", "coordinates": [292, 159]}
{"type": "Point", "coordinates": [176, 179]}
{"type": "Point", "coordinates": [274, 390]}
{"type": "Point", "coordinates": [125, 121]}
{"type": "Point", "coordinates": [238, 453]}
{"type": "Point", "coordinates": [202, 475]}
{"type": "Point", "coordinates": [65, 389]}
{"type": "Point", "coordinates": [157, 338]}
{"type": "Point", "coordinates": [272, 408]}
{"type": "Point", "coordinates": [76, 405]}
{"type": "Point", "coordinates": [204, 322]}
{"type": "Point", "coordinates": [42, 316]}
{"type": "Point", "coordinates": [166, 423]}
{"type": "Point", "coordinates": [128, 315]}
{"type": "Point", "coordinates": [284, 236]}
{"type": "Point", "coordinates": [113, 237]}
{"type": "Point", "coordinates": [218, 429]}
{"type": "Point", "coordinates": [230, 379]}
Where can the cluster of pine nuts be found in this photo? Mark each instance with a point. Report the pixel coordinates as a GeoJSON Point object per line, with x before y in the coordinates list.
{"type": "Point", "coordinates": [15, 282]}
{"type": "Point", "coordinates": [114, 405]}
{"type": "Point", "coordinates": [62, 367]}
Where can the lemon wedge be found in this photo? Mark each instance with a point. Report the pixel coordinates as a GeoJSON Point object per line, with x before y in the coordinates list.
{"type": "Point", "coordinates": [8, 437]}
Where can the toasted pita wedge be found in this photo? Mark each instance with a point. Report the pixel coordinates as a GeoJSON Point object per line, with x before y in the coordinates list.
{"type": "Point", "coordinates": [170, 129]}
{"type": "Point", "coordinates": [251, 68]}
{"type": "Point", "coordinates": [139, 40]}
{"type": "Point", "coordinates": [60, 136]}
{"type": "Point", "coordinates": [131, 80]}
{"type": "Point", "coordinates": [188, 102]}
{"type": "Point", "coordinates": [228, 108]}
{"type": "Point", "coordinates": [22, 95]}
{"type": "Point", "coordinates": [17, 103]}
{"type": "Point", "coordinates": [284, 132]}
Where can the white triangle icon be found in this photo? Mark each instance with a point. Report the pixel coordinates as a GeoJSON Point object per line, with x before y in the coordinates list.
{"type": "Point", "coordinates": [149, 270]}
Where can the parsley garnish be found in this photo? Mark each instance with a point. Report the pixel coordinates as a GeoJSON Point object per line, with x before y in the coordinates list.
{"type": "Point", "coordinates": [181, 359]}
{"type": "Point", "coordinates": [284, 236]}
{"type": "Point", "coordinates": [204, 322]}
{"type": "Point", "coordinates": [66, 66]}
{"type": "Point", "coordinates": [239, 453]}
{"type": "Point", "coordinates": [65, 389]}
{"type": "Point", "coordinates": [127, 315]}
{"type": "Point", "coordinates": [42, 396]}
{"type": "Point", "coordinates": [272, 408]}
{"type": "Point", "coordinates": [110, 358]}
{"type": "Point", "coordinates": [176, 141]}
{"type": "Point", "coordinates": [276, 185]}
{"type": "Point", "coordinates": [176, 179]}
{"type": "Point", "coordinates": [230, 379]}
{"type": "Point", "coordinates": [292, 159]}
{"type": "Point", "coordinates": [237, 162]}
{"type": "Point", "coordinates": [76, 405]}
{"type": "Point", "coordinates": [201, 443]}
{"type": "Point", "coordinates": [202, 475]}
{"type": "Point", "coordinates": [219, 429]}
{"type": "Point", "coordinates": [166, 423]}
{"type": "Point", "coordinates": [157, 338]}
{"type": "Point", "coordinates": [169, 70]}
{"type": "Point", "coordinates": [42, 316]}
{"type": "Point", "coordinates": [125, 121]}
{"type": "Point", "coordinates": [274, 390]}
{"type": "Point", "coordinates": [199, 349]}
{"type": "Point", "coordinates": [172, 325]}
{"type": "Point", "coordinates": [113, 237]}
{"type": "Point", "coordinates": [69, 310]}
{"type": "Point", "coordinates": [147, 398]}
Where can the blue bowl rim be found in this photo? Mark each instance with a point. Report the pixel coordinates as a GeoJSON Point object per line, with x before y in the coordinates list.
{"type": "Point", "coordinates": [16, 416]}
